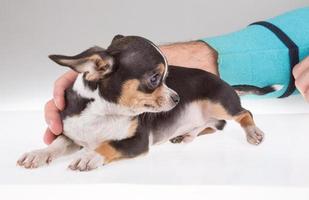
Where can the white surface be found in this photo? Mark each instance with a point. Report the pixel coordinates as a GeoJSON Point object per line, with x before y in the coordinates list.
{"type": "Point", "coordinates": [223, 158]}
{"type": "Point", "coordinates": [142, 192]}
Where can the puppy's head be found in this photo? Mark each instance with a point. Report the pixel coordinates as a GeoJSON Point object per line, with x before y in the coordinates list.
{"type": "Point", "coordinates": [131, 72]}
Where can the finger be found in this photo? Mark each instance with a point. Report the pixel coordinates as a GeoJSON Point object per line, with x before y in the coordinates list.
{"type": "Point", "coordinates": [52, 117]}
{"type": "Point", "coordinates": [301, 67]}
{"type": "Point", "coordinates": [49, 137]}
{"type": "Point", "coordinates": [62, 83]}
{"type": "Point", "coordinates": [302, 82]}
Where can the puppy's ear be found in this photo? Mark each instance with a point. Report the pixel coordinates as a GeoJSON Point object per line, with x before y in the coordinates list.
{"type": "Point", "coordinates": [117, 37]}
{"type": "Point", "coordinates": [94, 62]}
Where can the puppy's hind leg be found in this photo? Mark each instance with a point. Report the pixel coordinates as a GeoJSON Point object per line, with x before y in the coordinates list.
{"type": "Point", "coordinates": [254, 134]}
{"type": "Point", "coordinates": [240, 115]}
{"type": "Point", "coordinates": [60, 146]}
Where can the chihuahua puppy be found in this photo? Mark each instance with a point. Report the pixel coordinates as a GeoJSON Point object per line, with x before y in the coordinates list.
{"type": "Point", "coordinates": [127, 98]}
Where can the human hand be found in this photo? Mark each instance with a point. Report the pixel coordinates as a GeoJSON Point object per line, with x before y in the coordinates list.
{"type": "Point", "coordinates": [301, 75]}
{"type": "Point", "coordinates": [55, 105]}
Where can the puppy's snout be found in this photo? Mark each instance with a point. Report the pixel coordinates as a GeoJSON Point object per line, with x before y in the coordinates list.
{"type": "Point", "coordinates": [175, 97]}
{"type": "Point", "coordinates": [168, 99]}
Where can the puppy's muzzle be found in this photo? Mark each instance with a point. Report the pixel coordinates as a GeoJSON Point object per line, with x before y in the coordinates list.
{"type": "Point", "coordinates": [172, 100]}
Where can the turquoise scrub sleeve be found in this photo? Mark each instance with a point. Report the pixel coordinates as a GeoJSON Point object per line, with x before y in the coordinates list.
{"type": "Point", "coordinates": [256, 56]}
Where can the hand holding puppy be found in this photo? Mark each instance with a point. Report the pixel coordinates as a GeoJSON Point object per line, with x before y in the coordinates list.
{"type": "Point", "coordinates": [301, 75]}
{"type": "Point", "coordinates": [53, 106]}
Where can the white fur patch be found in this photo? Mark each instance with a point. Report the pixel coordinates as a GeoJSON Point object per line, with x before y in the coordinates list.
{"type": "Point", "coordinates": [277, 87]}
{"type": "Point", "coordinates": [98, 122]}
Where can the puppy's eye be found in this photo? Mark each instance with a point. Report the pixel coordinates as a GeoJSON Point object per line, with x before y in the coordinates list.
{"type": "Point", "coordinates": [154, 80]}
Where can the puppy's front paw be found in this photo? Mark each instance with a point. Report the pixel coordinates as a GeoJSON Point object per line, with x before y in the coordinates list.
{"type": "Point", "coordinates": [87, 161]}
{"type": "Point", "coordinates": [254, 135]}
{"type": "Point", "coordinates": [35, 159]}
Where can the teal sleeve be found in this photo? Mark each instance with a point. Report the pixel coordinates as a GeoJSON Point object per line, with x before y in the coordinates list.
{"type": "Point", "coordinates": [255, 56]}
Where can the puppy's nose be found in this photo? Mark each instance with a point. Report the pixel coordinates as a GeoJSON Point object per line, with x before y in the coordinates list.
{"type": "Point", "coordinates": [175, 98]}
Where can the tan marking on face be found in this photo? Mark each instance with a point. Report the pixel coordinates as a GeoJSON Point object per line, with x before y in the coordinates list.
{"type": "Point", "coordinates": [109, 152]}
{"type": "Point", "coordinates": [244, 119]}
{"type": "Point", "coordinates": [132, 97]}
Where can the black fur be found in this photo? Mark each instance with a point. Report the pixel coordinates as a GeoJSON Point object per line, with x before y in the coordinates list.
{"type": "Point", "coordinates": [220, 125]}
{"type": "Point", "coordinates": [74, 104]}
{"type": "Point", "coordinates": [92, 85]}
{"type": "Point", "coordinates": [195, 84]}
{"type": "Point", "coordinates": [134, 146]}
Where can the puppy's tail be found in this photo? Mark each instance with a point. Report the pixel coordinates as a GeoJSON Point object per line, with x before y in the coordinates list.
{"type": "Point", "coordinates": [242, 90]}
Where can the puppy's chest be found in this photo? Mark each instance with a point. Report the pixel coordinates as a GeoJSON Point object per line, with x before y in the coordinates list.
{"type": "Point", "coordinates": [89, 129]}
